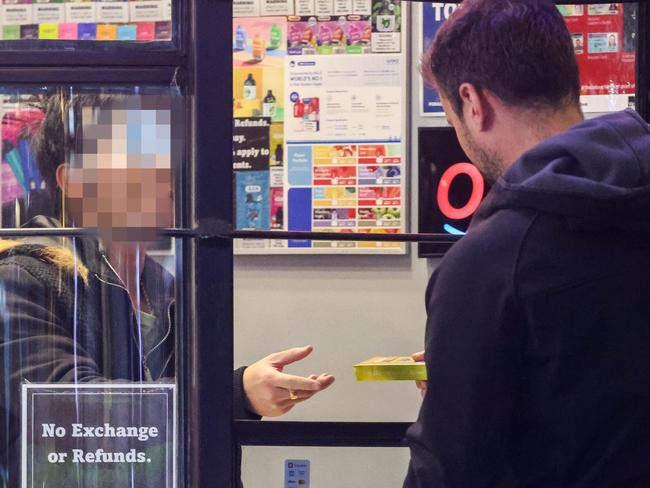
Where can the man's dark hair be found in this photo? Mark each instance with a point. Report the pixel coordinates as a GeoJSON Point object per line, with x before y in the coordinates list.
{"type": "Point", "coordinates": [59, 131]}
{"type": "Point", "coordinates": [520, 50]}
{"type": "Point", "coordinates": [50, 142]}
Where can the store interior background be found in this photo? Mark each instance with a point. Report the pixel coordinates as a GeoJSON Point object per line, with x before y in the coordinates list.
{"type": "Point", "coordinates": [350, 308]}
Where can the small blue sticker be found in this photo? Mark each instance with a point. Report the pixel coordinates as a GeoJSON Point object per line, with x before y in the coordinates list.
{"type": "Point", "coordinates": [296, 473]}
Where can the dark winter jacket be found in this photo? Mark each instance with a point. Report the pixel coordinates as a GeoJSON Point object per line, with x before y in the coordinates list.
{"type": "Point", "coordinates": [65, 316]}
{"type": "Point", "coordinates": [538, 331]}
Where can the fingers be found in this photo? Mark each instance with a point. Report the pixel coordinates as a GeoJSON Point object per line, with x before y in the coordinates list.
{"type": "Point", "coordinates": [422, 386]}
{"type": "Point", "coordinates": [282, 358]}
{"type": "Point", "coordinates": [418, 356]}
{"type": "Point", "coordinates": [291, 382]}
{"type": "Point", "coordinates": [325, 380]}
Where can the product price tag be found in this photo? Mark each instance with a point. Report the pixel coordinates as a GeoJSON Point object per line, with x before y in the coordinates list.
{"type": "Point", "coordinates": [49, 13]}
{"type": "Point", "coordinates": [305, 8]}
{"type": "Point", "coordinates": [113, 12]}
{"type": "Point", "coordinates": [81, 12]}
{"type": "Point", "coordinates": [146, 11]}
{"type": "Point", "coordinates": [17, 14]}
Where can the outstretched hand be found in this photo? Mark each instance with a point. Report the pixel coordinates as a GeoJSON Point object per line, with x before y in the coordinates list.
{"type": "Point", "coordinates": [271, 392]}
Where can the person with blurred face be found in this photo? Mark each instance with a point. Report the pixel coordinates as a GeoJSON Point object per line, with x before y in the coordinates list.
{"type": "Point", "coordinates": [89, 309]}
{"type": "Point", "coordinates": [538, 329]}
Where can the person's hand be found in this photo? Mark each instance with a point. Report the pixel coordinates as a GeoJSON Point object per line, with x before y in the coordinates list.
{"type": "Point", "coordinates": [422, 385]}
{"type": "Point", "coordinates": [271, 393]}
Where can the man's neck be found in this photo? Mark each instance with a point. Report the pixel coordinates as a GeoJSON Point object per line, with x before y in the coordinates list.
{"type": "Point", "coordinates": [128, 262]}
{"type": "Point", "coordinates": [522, 132]}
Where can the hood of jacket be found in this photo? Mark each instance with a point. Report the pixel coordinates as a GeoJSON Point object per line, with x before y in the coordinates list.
{"type": "Point", "coordinates": [596, 174]}
{"type": "Point", "coordinates": [158, 283]}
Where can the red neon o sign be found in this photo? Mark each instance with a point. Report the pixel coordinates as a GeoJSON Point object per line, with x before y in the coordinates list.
{"type": "Point", "coordinates": [478, 186]}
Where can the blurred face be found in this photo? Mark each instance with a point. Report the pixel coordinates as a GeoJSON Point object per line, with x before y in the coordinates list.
{"type": "Point", "coordinates": [121, 182]}
{"type": "Point", "coordinates": [123, 203]}
{"type": "Point", "coordinates": [473, 143]}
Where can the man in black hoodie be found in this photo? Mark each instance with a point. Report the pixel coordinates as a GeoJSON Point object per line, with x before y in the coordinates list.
{"type": "Point", "coordinates": [538, 334]}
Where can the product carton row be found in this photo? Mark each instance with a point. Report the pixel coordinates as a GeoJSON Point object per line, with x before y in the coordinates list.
{"type": "Point", "coordinates": [144, 20]}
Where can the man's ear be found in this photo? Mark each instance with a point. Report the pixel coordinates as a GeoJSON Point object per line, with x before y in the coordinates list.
{"type": "Point", "coordinates": [61, 175]}
{"type": "Point", "coordinates": [477, 109]}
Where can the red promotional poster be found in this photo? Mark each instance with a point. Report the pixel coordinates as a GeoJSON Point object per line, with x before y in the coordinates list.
{"type": "Point", "coordinates": [604, 42]}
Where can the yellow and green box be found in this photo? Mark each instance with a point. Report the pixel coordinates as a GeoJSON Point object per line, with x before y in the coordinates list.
{"type": "Point", "coordinates": [391, 368]}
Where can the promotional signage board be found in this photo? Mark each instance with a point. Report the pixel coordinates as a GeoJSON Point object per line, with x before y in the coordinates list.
{"type": "Point", "coordinates": [451, 187]}
{"type": "Point", "coordinates": [604, 41]}
{"type": "Point", "coordinates": [103, 435]}
{"type": "Point", "coordinates": [319, 106]}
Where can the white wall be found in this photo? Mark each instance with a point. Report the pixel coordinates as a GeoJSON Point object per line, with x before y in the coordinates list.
{"type": "Point", "coordinates": [349, 308]}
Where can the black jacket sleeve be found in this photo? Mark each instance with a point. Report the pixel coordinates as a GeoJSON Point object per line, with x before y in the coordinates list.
{"type": "Point", "coordinates": [473, 351]}
{"type": "Point", "coordinates": [240, 402]}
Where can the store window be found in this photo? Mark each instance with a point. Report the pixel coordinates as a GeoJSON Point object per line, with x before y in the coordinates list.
{"type": "Point", "coordinates": [87, 286]}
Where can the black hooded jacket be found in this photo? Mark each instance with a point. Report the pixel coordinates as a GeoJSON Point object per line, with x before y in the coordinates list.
{"type": "Point", "coordinates": [58, 325]}
{"type": "Point", "coordinates": [538, 331]}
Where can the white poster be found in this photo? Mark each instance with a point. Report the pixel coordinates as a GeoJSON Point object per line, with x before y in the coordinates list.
{"type": "Point", "coordinates": [246, 8]}
{"type": "Point", "coordinates": [45, 13]}
{"type": "Point", "coordinates": [17, 14]}
{"type": "Point", "coordinates": [146, 11]}
{"type": "Point", "coordinates": [276, 7]}
{"type": "Point", "coordinates": [305, 8]}
{"type": "Point", "coordinates": [324, 7]}
{"type": "Point", "coordinates": [344, 98]}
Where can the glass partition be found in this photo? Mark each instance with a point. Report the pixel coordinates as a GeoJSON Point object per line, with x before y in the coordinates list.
{"type": "Point", "coordinates": [87, 286]}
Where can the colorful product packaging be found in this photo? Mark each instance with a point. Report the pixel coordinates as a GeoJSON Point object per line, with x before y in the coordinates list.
{"type": "Point", "coordinates": [68, 31]}
{"type": "Point", "coordinates": [145, 31]}
{"type": "Point", "coordinates": [391, 368]}
{"type": "Point", "coordinates": [126, 32]}
{"type": "Point", "coordinates": [87, 31]}
{"type": "Point", "coordinates": [106, 32]}
{"type": "Point", "coordinates": [48, 31]}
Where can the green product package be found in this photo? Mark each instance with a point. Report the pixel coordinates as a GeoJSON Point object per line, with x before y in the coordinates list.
{"type": "Point", "coordinates": [391, 368]}
{"type": "Point", "coordinates": [10, 32]}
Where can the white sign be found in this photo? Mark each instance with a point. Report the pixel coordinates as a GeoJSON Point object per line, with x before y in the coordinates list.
{"type": "Point", "coordinates": [245, 8]}
{"type": "Point", "coordinates": [276, 7]}
{"type": "Point", "coordinates": [80, 12]}
{"type": "Point", "coordinates": [49, 13]}
{"type": "Point", "coordinates": [113, 12]}
{"type": "Point", "coordinates": [76, 434]}
{"type": "Point", "coordinates": [17, 14]}
{"type": "Point", "coordinates": [146, 11]}
{"type": "Point", "coordinates": [305, 8]}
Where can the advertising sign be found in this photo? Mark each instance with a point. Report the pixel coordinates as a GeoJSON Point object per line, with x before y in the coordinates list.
{"type": "Point", "coordinates": [451, 187]}
{"type": "Point", "coordinates": [433, 16]}
{"type": "Point", "coordinates": [103, 436]}
{"type": "Point", "coordinates": [319, 105]}
{"type": "Point", "coordinates": [604, 40]}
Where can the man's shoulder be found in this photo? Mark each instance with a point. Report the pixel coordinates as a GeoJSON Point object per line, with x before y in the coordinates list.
{"type": "Point", "coordinates": [498, 238]}
{"type": "Point", "coordinates": [42, 262]}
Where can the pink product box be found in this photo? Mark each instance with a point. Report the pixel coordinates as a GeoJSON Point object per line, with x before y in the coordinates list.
{"type": "Point", "coordinates": [68, 32]}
